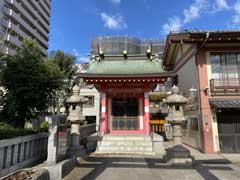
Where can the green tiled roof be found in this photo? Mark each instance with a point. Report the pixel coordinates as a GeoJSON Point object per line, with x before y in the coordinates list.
{"type": "Point", "coordinates": [225, 102]}
{"type": "Point", "coordinates": [126, 66]}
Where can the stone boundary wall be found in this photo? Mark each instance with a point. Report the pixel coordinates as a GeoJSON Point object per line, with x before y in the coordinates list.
{"type": "Point", "coordinates": [87, 130]}
{"type": "Point", "coordinates": [20, 152]}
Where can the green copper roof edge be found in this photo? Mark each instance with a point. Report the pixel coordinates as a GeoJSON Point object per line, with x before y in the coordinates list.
{"type": "Point", "coordinates": [163, 74]}
{"type": "Point", "coordinates": [141, 66]}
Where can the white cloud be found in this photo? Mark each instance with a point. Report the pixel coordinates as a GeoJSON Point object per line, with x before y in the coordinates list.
{"type": "Point", "coordinates": [237, 7]}
{"type": "Point", "coordinates": [80, 58]}
{"type": "Point", "coordinates": [236, 16]}
{"type": "Point", "coordinates": [116, 1]}
{"type": "Point", "coordinates": [220, 5]}
{"type": "Point", "coordinates": [174, 24]}
{"type": "Point", "coordinates": [236, 20]}
{"type": "Point", "coordinates": [194, 11]}
{"type": "Point", "coordinates": [113, 22]}
{"type": "Point", "coordinates": [75, 52]}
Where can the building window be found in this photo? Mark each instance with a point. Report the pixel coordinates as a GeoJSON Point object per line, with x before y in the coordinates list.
{"type": "Point", "coordinates": [226, 68]}
{"type": "Point", "coordinates": [90, 102]}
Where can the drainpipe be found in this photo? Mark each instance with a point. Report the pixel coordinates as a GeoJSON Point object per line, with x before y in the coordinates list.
{"type": "Point", "coordinates": [205, 40]}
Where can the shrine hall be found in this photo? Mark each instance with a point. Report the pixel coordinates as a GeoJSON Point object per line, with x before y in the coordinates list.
{"type": "Point", "coordinates": [124, 81]}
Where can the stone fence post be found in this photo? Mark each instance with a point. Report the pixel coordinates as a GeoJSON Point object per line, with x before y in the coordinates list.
{"type": "Point", "coordinates": [53, 122]}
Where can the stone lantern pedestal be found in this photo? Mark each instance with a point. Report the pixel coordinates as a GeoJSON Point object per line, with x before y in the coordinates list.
{"type": "Point", "coordinates": [177, 155]}
{"type": "Point", "coordinates": [75, 117]}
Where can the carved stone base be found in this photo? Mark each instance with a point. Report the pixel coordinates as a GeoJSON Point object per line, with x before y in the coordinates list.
{"type": "Point", "coordinates": [181, 162]}
{"type": "Point", "coordinates": [76, 151]}
{"type": "Point", "coordinates": [178, 156]}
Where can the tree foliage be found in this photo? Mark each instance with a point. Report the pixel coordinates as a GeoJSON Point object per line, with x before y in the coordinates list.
{"type": "Point", "coordinates": [30, 81]}
{"type": "Point", "coordinates": [66, 64]}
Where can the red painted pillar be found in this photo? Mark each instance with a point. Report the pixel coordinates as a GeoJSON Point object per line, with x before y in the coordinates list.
{"type": "Point", "coordinates": [146, 113]}
{"type": "Point", "coordinates": [141, 113]}
{"type": "Point", "coordinates": [104, 113]}
{"type": "Point", "coordinates": [205, 109]}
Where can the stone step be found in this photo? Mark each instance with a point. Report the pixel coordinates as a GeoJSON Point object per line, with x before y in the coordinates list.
{"type": "Point", "coordinates": [125, 148]}
{"type": "Point", "coordinates": [127, 152]}
{"type": "Point", "coordinates": [127, 138]}
{"type": "Point", "coordinates": [125, 143]}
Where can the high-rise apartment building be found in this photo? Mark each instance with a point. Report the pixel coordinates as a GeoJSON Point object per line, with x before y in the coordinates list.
{"type": "Point", "coordinates": [24, 18]}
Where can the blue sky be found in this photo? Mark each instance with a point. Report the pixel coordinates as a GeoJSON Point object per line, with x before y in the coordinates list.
{"type": "Point", "coordinates": [75, 22]}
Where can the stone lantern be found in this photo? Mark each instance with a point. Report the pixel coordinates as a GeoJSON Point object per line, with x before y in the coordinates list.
{"type": "Point", "coordinates": [75, 117]}
{"type": "Point", "coordinates": [176, 115]}
{"type": "Point", "coordinates": [178, 154]}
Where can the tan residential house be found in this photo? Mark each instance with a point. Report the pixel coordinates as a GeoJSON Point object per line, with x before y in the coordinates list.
{"type": "Point", "coordinates": [206, 67]}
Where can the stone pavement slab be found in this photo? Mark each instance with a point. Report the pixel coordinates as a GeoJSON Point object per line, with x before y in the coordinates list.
{"type": "Point", "coordinates": [113, 167]}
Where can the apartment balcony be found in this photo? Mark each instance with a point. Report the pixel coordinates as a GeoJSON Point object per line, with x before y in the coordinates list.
{"type": "Point", "coordinates": [41, 11]}
{"type": "Point", "coordinates": [45, 7]}
{"type": "Point", "coordinates": [8, 50]}
{"type": "Point", "coordinates": [11, 51]}
{"type": "Point", "coordinates": [17, 5]}
{"type": "Point", "coordinates": [27, 4]}
{"type": "Point", "coordinates": [13, 40]}
{"type": "Point", "coordinates": [16, 29]}
{"type": "Point", "coordinates": [4, 23]}
{"type": "Point", "coordinates": [12, 27]}
{"type": "Point", "coordinates": [48, 3]}
{"type": "Point", "coordinates": [7, 11]}
{"type": "Point", "coordinates": [225, 87]}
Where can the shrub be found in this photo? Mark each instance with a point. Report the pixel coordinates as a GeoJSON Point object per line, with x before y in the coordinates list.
{"type": "Point", "coordinates": [7, 131]}
{"type": "Point", "coordinates": [4, 125]}
{"type": "Point", "coordinates": [44, 126]}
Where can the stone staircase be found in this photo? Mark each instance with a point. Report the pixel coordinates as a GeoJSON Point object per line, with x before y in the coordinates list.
{"type": "Point", "coordinates": [125, 144]}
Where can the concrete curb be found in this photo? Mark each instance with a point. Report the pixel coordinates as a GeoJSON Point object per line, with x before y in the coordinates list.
{"type": "Point", "coordinates": [59, 170]}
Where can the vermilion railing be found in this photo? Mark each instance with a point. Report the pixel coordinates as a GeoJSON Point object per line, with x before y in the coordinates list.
{"type": "Point", "coordinates": [125, 122]}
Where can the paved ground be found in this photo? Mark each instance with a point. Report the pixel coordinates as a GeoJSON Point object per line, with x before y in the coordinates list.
{"type": "Point", "coordinates": [209, 167]}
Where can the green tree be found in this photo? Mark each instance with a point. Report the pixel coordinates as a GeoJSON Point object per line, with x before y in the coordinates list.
{"type": "Point", "coordinates": [29, 80]}
{"type": "Point", "coordinates": [3, 58]}
{"type": "Point", "coordinates": [66, 63]}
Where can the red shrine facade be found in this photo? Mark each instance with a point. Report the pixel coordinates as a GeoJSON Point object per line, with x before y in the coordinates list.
{"type": "Point", "coordinates": [124, 101]}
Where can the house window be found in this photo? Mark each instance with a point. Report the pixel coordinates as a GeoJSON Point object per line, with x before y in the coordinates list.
{"type": "Point", "coordinates": [226, 68]}
{"type": "Point", "coordinates": [216, 66]}
{"type": "Point", "coordinates": [90, 102]}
